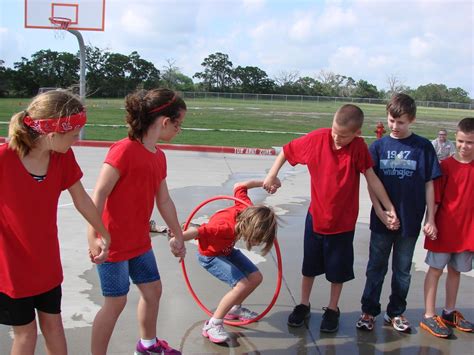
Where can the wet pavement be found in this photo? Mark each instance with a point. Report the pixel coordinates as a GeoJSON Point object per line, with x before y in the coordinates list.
{"type": "Point", "coordinates": [192, 178]}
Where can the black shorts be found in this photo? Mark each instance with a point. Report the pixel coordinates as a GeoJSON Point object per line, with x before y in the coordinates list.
{"type": "Point", "coordinates": [332, 255]}
{"type": "Point", "coordinates": [21, 311]}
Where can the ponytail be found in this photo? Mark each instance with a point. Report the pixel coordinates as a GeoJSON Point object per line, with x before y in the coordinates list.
{"type": "Point", "coordinates": [21, 137]}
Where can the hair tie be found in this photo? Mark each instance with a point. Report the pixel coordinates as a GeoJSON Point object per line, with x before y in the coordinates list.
{"type": "Point", "coordinates": [162, 107]}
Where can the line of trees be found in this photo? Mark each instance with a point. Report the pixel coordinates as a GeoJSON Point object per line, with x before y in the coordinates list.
{"type": "Point", "coordinates": [111, 74]}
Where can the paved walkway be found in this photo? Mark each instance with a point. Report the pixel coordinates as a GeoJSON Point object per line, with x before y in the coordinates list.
{"type": "Point", "coordinates": [192, 178]}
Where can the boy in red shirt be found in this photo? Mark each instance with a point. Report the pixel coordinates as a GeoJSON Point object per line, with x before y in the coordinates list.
{"type": "Point", "coordinates": [335, 157]}
{"type": "Point", "coordinates": [453, 246]}
{"type": "Point", "coordinates": [254, 225]}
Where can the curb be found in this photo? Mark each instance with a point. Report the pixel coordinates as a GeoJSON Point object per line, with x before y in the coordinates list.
{"type": "Point", "coordinates": [185, 147]}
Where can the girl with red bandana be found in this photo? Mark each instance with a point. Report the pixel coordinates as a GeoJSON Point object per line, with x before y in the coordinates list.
{"type": "Point", "coordinates": [36, 165]}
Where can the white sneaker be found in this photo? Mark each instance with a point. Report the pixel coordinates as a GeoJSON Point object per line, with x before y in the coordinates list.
{"type": "Point", "coordinates": [215, 332]}
{"type": "Point", "coordinates": [241, 313]}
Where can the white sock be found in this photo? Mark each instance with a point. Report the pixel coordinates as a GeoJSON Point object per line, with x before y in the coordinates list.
{"type": "Point", "coordinates": [448, 311]}
{"type": "Point", "coordinates": [147, 343]}
{"type": "Point", "coordinates": [216, 321]}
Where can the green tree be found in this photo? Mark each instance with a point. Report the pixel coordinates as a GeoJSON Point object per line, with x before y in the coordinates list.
{"type": "Point", "coordinates": [309, 86]}
{"type": "Point", "coordinates": [431, 92]}
{"type": "Point", "coordinates": [217, 74]}
{"type": "Point", "coordinates": [458, 95]}
{"type": "Point", "coordinates": [364, 89]}
{"type": "Point", "coordinates": [252, 80]}
{"type": "Point", "coordinates": [46, 69]}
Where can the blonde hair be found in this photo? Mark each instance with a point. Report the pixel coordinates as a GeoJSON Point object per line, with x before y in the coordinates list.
{"type": "Point", "coordinates": [48, 105]}
{"type": "Point", "coordinates": [257, 225]}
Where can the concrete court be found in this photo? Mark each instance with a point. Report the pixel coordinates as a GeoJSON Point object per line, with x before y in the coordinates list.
{"type": "Point", "coordinates": [192, 178]}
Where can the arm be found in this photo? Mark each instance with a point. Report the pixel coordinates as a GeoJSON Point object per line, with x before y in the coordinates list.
{"type": "Point", "coordinates": [98, 247]}
{"type": "Point", "coordinates": [382, 205]}
{"type": "Point", "coordinates": [250, 184]}
{"type": "Point", "coordinates": [430, 226]}
{"type": "Point", "coordinates": [271, 182]}
{"type": "Point", "coordinates": [108, 177]}
{"type": "Point", "coordinates": [168, 211]}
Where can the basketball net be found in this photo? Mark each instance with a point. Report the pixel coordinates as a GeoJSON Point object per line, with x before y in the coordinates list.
{"type": "Point", "coordinates": [60, 25]}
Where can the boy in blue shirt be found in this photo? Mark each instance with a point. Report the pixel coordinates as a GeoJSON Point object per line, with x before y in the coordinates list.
{"type": "Point", "coordinates": [407, 165]}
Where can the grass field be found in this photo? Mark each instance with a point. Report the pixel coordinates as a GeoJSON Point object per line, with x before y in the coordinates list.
{"type": "Point", "coordinates": [219, 115]}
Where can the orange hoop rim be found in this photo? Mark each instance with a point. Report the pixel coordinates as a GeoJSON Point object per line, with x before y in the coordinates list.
{"type": "Point", "coordinates": [61, 22]}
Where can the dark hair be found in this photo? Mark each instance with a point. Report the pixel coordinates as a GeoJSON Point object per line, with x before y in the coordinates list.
{"type": "Point", "coordinates": [51, 104]}
{"type": "Point", "coordinates": [401, 104]}
{"type": "Point", "coordinates": [466, 125]}
{"type": "Point", "coordinates": [140, 104]}
{"type": "Point", "coordinates": [349, 116]}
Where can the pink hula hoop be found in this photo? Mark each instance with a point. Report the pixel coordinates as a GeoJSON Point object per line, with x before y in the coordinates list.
{"type": "Point", "coordinates": [188, 284]}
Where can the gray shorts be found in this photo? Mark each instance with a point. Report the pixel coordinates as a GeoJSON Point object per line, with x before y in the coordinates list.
{"type": "Point", "coordinates": [461, 262]}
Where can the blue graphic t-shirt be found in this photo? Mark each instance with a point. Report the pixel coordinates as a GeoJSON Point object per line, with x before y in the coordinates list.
{"type": "Point", "coordinates": [404, 166]}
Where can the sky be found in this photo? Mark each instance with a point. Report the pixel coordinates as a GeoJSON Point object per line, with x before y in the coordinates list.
{"type": "Point", "coordinates": [417, 41]}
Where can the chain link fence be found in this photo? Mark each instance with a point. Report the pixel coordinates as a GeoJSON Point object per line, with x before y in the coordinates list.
{"type": "Point", "coordinates": [304, 98]}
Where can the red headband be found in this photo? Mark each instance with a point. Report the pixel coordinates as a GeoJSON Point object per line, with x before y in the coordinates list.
{"type": "Point", "coordinates": [60, 125]}
{"type": "Point", "coordinates": [162, 107]}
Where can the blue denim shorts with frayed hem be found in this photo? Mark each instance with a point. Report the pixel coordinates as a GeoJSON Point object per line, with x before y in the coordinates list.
{"type": "Point", "coordinates": [115, 276]}
{"type": "Point", "coordinates": [228, 268]}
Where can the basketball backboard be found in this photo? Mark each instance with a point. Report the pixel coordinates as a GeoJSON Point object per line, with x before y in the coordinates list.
{"type": "Point", "coordinates": [85, 15]}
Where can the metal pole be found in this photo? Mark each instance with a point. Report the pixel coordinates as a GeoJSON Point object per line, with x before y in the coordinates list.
{"type": "Point", "coordinates": [82, 73]}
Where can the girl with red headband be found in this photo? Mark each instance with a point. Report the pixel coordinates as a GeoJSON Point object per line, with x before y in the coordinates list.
{"type": "Point", "coordinates": [36, 165]}
{"type": "Point", "coordinates": [134, 174]}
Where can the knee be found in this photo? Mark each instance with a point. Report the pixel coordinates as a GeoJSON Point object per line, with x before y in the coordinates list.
{"type": "Point", "coordinates": [453, 272]}
{"type": "Point", "coordinates": [115, 305]}
{"type": "Point", "coordinates": [26, 334]}
{"type": "Point", "coordinates": [435, 272]}
{"type": "Point", "coordinates": [255, 278]}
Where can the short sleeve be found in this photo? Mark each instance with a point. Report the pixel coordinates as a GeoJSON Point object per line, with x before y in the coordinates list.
{"type": "Point", "coordinates": [299, 150]}
{"type": "Point", "coordinates": [117, 158]}
{"type": "Point", "coordinates": [364, 159]}
{"type": "Point", "coordinates": [71, 172]}
{"type": "Point", "coordinates": [433, 170]}
{"type": "Point", "coordinates": [440, 183]}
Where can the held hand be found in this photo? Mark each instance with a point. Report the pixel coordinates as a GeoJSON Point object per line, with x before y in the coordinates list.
{"type": "Point", "coordinates": [392, 219]}
{"type": "Point", "coordinates": [177, 247]}
{"type": "Point", "coordinates": [99, 251]}
{"type": "Point", "coordinates": [430, 231]}
{"type": "Point", "coordinates": [271, 184]}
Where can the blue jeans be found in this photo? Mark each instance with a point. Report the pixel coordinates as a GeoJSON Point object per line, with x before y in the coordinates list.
{"type": "Point", "coordinates": [115, 276]}
{"type": "Point", "coordinates": [228, 268]}
{"type": "Point", "coordinates": [380, 247]}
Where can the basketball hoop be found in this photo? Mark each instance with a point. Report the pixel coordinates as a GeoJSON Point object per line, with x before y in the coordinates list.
{"type": "Point", "coordinates": [60, 24]}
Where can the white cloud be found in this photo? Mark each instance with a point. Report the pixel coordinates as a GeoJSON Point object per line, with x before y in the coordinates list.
{"type": "Point", "coordinates": [253, 5]}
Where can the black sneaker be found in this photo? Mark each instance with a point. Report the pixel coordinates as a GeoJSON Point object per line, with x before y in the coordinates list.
{"type": "Point", "coordinates": [300, 313]}
{"type": "Point", "coordinates": [330, 321]}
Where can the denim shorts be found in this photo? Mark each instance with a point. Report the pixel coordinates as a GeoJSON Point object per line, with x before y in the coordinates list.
{"type": "Point", "coordinates": [229, 269]}
{"type": "Point", "coordinates": [461, 262]}
{"type": "Point", "coordinates": [21, 311]}
{"type": "Point", "coordinates": [332, 255]}
{"type": "Point", "coordinates": [115, 276]}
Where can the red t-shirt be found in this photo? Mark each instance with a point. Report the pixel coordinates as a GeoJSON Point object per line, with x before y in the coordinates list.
{"type": "Point", "coordinates": [30, 262]}
{"type": "Point", "coordinates": [454, 195]}
{"type": "Point", "coordinates": [217, 237]}
{"type": "Point", "coordinates": [129, 206]}
{"type": "Point", "coordinates": [335, 175]}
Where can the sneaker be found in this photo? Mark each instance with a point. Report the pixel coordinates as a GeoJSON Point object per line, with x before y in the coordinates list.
{"type": "Point", "coordinates": [330, 321]}
{"type": "Point", "coordinates": [435, 326]}
{"type": "Point", "coordinates": [215, 332]}
{"type": "Point", "coordinates": [300, 313]}
{"type": "Point", "coordinates": [399, 323]}
{"type": "Point", "coordinates": [242, 314]}
{"type": "Point", "coordinates": [366, 322]}
{"type": "Point", "coordinates": [456, 319]}
{"type": "Point", "coordinates": [160, 347]}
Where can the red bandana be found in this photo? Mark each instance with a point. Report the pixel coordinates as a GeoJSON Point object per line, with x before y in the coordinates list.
{"type": "Point", "coordinates": [60, 125]}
